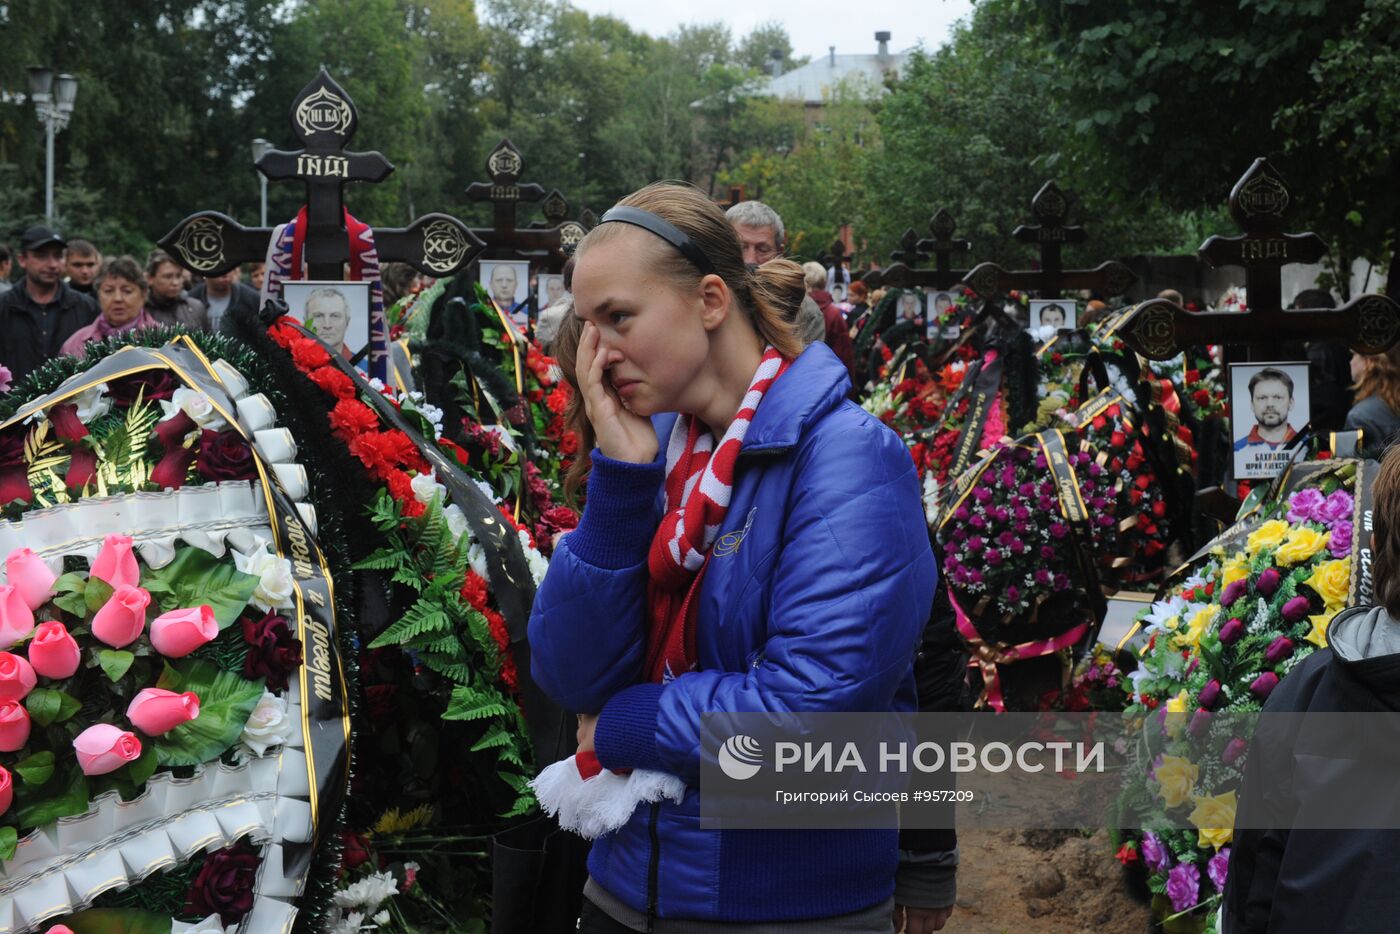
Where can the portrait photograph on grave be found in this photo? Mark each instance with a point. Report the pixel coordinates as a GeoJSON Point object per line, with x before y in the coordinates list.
{"type": "Point", "coordinates": [549, 289]}
{"type": "Point", "coordinates": [1270, 403]}
{"type": "Point", "coordinates": [838, 292]}
{"type": "Point", "coordinates": [911, 307]}
{"type": "Point", "coordinates": [336, 312]}
{"type": "Point", "coordinates": [508, 281]}
{"type": "Point", "coordinates": [941, 305]}
{"type": "Point", "coordinates": [1052, 313]}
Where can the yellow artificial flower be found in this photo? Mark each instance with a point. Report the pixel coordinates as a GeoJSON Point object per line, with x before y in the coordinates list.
{"type": "Point", "coordinates": [1269, 535]}
{"type": "Point", "coordinates": [1176, 713]}
{"type": "Point", "coordinates": [1237, 568]}
{"type": "Point", "coordinates": [1318, 635]}
{"type": "Point", "coordinates": [1332, 581]}
{"type": "Point", "coordinates": [1197, 627]}
{"type": "Point", "coordinates": [1214, 818]}
{"type": "Point", "coordinates": [1177, 776]}
{"type": "Point", "coordinates": [1302, 544]}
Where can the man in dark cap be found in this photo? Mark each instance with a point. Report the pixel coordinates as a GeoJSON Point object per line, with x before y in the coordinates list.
{"type": "Point", "coordinates": [41, 311]}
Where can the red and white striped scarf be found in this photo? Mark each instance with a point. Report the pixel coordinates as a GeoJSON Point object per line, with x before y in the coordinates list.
{"type": "Point", "coordinates": [699, 483]}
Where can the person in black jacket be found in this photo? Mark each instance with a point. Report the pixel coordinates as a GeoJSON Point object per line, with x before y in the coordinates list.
{"type": "Point", "coordinates": [224, 294]}
{"type": "Point", "coordinates": [1291, 881]}
{"type": "Point", "coordinates": [41, 311]}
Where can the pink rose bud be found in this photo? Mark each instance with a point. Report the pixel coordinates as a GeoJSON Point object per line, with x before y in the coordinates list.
{"type": "Point", "coordinates": [1210, 694]}
{"type": "Point", "coordinates": [1296, 609]}
{"type": "Point", "coordinates": [16, 618]}
{"type": "Point", "coordinates": [53, 653]}
{"type": "Point", "coordinates": [14, 726]}
{"type": "Point", "coordinates": [7, 789]}
{"type": "Point", "coordinates": [1193, 664]}
{"type": "Point", "coordinates": [1233, 591]}
{"type": "Point", "coordinates": [30, 575]}
{"type": "Point", "coordinates": [16, 677]}
{"type": "Point", "coordinates": [1233, 750]}
{"type": "Point", "coordinates": [1268, 583]}
{"type": "Point", "coordinates": [104, 748]}
{"type": "Point", "coordinates": [116, 562]}
{"type": "Point", "coordinates": [1262, 686]}
{"type": "Point", "coordinates": [123, 617]}
{"type": "Point", "coordinates": [179, 632]}
{"type": "Point", "coordinates": [1200, 722]}
{"type": "Point", "coordinates": [59, 929]}
{"type": "Point", "coordinates": [155, 710]}
{"type": "Point", "coordinates": [1278, 650]}
{"type": "Point", "coordinates": [1232, 630]}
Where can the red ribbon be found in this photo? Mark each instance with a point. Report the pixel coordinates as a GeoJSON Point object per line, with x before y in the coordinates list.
{"type": "Point", "coordinates": [988, 655]}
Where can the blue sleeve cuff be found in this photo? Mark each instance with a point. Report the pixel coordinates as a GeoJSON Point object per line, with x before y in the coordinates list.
{"type": "Point", "coordinates": [625, 735]}
{"type": "Point", "coordinates": [619, 517]}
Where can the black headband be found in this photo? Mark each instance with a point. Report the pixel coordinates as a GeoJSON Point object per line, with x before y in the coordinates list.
{"type": "Point", "coordinates": [664, 229]}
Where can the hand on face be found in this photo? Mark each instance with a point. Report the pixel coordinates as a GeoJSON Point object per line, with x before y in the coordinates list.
{"type": "Point", "coordinates": [622, 435]}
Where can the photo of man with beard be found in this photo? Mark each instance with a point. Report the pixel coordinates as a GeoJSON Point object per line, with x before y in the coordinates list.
{"type": "Point", "coordinates": [1271, 406]}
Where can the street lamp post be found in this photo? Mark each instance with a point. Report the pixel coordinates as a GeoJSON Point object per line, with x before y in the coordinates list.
{"type": "Point", "coordinates": [53, 97]}
{"type": "Point", "coordinates": [260, 147]}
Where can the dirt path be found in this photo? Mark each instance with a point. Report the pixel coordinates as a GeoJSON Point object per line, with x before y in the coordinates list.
{"type": "Point", "coordinates": [1039, 882]}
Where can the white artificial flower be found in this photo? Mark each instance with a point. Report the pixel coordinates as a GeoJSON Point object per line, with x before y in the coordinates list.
{"type": "Point", "coordinates": [345, 924]}
{"type": "Point", "coordinates": [456, 520]}
{"type": "Point", "coordinates": [1046, 332]}
{"type": "Point", "coordinates": [275, 586]}
{"type": "Point", "coordinates": [539, 564]}
{"type": "Point", "coordinates": [1163, 611]}
{"type": "Point", "coordinates": [92, 403]}
{"type": "Point", "coordinates": [381, 918]}
{"type": "Point", "coordinates": [196, 405]}
{"type": "Point", "coordinates": [210, 925]}
{"type": "Point", "coordinates": [368, 893]}
{"type": "Point", "coordinates": [425, 487]}
{"type": "Point", "coordinates": [485, 489]}
{"type": "Point", "coordinates": [930, 498]}
{"type": "Point", "coordinates": [476, 556]}
{"type": "Point", "coordinates": [268, 725]}
{"type": "Point", "coordinates": [376, 384]}
{"type": "Point", "coordinates": [434, 416]}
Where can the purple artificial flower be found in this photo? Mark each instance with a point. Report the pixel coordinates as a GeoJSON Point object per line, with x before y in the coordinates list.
{"type": "Point", "coordinates": [1040, 463]}
{"type": "Point", "coordinates": [1045, 503]}
{"type": "Point", "coordinates": [1042, 577]}
{"type": "Point", "coordinates": [1021, 512]}
{"type": "Point", "coordinates": [982, 494]}
{"type": "Point", "coordinates": [975, 576]}
{"type": "Point", "coordinates": [1098, 504]}
{"type": "Point", "coordinates": [1022, 455]}
{"type": "Point", "coordinates": [977, 522]}
{"type": "Point", "coordinates": [1026, 489]}
{"type": "Point", "coordinates": [1231, 632]}
{"type": "Point", "coordinates": [1217, 869]}
{"type": "Point", "coordinates": [1004, 539]}
{"type": "Point", "coordinates": [1340, 542]}
{"type": "Point", "coordinates": [1304, 506]}
{"type": "Point", "coordinates": [1233, 591]}
{"type": "Point", "coordinates": [993, 557]}
{"type": "Point", "coordinates": [1104, 521]}
{"type": "Point", "coordinates": [959, 535]}
{"type": "Point", "coordinates": [1268, 583]}
{"type": "Point", "coordinates": [1154, 854]}
{"type": "Point", "coordinates": [1013, 593]}
{"type": "Point", "coordinates": [1184, 886]}
{"type": "Point", "coordinates": [1008, 475]}
{"type": "Point", "coordinates": [1058, 530]}
{"type": "Point", "coordinates": [1192, 665]}
{"type": "Point", "coordinates": [1061, 582]}
{"type": "Point", "coordinates": [1278, 650]}
{"type": "Point", "coordinates": [976, 543]}
{"type": "Point", "coordinates": [1262, 686]}
{"type": "Point", "coordinates": [1295, 609]}
{"type": "Point", "coordinates": [1200, 722]}
{"type": "Point", "coordinates": [961, 514]}
{"type": "Point", "coordinates": [1047, 552]}
{"type": "Point", "coordinates": [1337, 508]}
{"type": "Point", "coordinates": [1210, 694]}
{"type": "Point", "coordinates": [1022, 527]}
{"type": "Point", "coordinates": [1233, 750]}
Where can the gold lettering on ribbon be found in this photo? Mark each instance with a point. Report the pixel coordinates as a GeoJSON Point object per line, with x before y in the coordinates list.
{"type": "Point", "coordinates": [319, 666]}
{"type": "Point", "coordinates": [301, 551]}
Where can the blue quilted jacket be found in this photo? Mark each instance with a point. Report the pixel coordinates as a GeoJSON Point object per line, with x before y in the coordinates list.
{"type": "Point", "coordinates": [816, 594]}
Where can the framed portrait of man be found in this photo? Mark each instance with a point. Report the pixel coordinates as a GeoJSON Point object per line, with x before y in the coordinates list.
{"type": "Point", "coordinates": [910, 307]}
{"type": "Point", "coordinates": [508, 282]}
{"type": "Point", "coordinates": [1269, 405]}
{"type": "Point", "coordinates": [549, 290]}
{"type": "Point", "coordinates": [336, 312]}
{"type": "Point", "coordinates": [940, 306]}
{"type": "Point", "coordinates": [838, 293]}
{"type": "Point", "coordinates": [1052, 313]}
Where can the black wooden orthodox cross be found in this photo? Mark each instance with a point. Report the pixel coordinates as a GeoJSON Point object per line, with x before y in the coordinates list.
{"type": "Point", "coordinates": [914, 250]}
{"type": "Point", "coordinates": [324, 120]}
{"type": "Point", "coordinates": [1159, 329]}
{"type": "Point", "coordinates": [1051, 209]}
{"type": "Point", "coordinates": [547, 247]}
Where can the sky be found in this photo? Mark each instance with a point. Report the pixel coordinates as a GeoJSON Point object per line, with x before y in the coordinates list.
{"type": "Point", "coordinates": [850, 25]}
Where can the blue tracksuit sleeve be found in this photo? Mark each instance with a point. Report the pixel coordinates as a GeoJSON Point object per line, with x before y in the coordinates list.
{"type": "Point", "coordinates": [588, 623]}
{"type": "Point", "coordinates": [847, 608]}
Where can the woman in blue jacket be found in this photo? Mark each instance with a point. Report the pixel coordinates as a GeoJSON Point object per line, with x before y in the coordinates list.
{"type": "Point", "coordinates": [752, 542]}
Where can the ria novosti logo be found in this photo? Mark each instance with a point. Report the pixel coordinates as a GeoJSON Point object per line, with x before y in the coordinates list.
{"type": "Point", "coordinates": [740, 757]}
